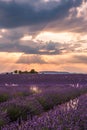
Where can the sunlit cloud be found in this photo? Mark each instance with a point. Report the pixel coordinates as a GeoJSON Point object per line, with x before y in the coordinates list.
{"type": "Point", "coordinates": [1, 36]}
{"type": "Point", "coordinates": [58, 37]}
{"type": "Point", "coordinates": [82, 11]}
{"type": "Point", "coordinates": [9, 57]}
{"type": "Point", "coordinates": [26, 38]}
{"type": "Point", "coordinates": [3, 30]}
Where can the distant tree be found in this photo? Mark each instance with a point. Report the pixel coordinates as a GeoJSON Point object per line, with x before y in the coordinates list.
{"type": "Point", "coordinates": [16, 71]}
{"type": "Point", "coordinates": [33, 71]}
{"type": "Point", "coordinates": [26, 72]}
{"type": "Point", "coordinates": [20, 72]}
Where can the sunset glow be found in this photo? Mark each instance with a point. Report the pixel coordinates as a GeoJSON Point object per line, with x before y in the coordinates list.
{"type": "Point", "coordinates": [57, 37]}
{"type": "Point", "coordinates": [44, 33]}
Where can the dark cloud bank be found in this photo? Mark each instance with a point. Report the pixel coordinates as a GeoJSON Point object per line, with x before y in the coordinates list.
{"type": "Point", "coordinates": [28, 13]}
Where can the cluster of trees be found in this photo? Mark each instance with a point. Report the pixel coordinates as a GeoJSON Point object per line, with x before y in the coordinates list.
{"type": "Point", "coordinates": [32, 71]}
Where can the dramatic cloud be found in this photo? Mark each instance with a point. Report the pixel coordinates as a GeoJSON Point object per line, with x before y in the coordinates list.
{"type": "Point", "coordinates": [15, 14]}
{"type": "Point", "coordinates": [40, 47]}
{"type": "Point", "coordinates": [42, 32]}
{"type": "Point", "coordinates": [33, 17]}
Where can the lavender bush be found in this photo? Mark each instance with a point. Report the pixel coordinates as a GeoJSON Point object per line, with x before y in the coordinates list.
{"type": "Point", "coordinates": [68, 116]}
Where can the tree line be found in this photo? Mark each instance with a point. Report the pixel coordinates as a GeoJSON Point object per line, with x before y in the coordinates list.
{"type": "Point", "coordinates": [32, 71]}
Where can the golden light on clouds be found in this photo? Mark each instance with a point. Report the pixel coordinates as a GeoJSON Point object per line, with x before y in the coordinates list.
{"type": "Point", "coordinates": [1, 36]}
{"type": "Point", "coordinates": [9, 57]}
{"type": "Point", "coordinates": [79, 68]}
{"type": "Point", "coordinates": [57, 37]}
{"type": "Point", "coordinates": [3, 30]}
{"type": "Point", "coordinates": [26, 38]}
{"type": "Point", "coordinates": [46, 35]}
{"type": "Point", "coordinates": [8, 62]}
{"type": "Point", "coordinates": [82, 11]}
{"type": "Point", "coordinates": [64, 62]}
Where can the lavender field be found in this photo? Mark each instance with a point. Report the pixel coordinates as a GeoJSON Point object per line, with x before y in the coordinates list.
{"type": "Point", "coordinates": [43, 102]}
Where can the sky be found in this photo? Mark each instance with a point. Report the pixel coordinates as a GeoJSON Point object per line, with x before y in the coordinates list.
{"type": "Point", "coordinates": [48, 35]}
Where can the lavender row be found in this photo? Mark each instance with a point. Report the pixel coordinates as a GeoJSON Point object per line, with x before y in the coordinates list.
{"type": "Point", "coordinates": [26, 79]}
{"type": "Point", "coordinates": [10, 92]}
{"type": "Point", "coordinates": [37, 103]}
{"type": "Point", "coordinates": [68, 116]}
